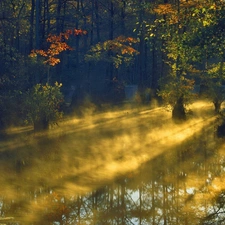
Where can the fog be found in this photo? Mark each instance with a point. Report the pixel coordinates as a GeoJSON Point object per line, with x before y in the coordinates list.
{"type": "Point", "coordinates": [81, 155]}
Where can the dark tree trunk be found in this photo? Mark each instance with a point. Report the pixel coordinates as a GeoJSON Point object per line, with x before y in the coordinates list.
{"type": "Point", "coordinates": [92, 24]}
{"type": "Point", "coordinates": [97, 21]}
{"type": "Point", "coordinates": [37, 25]}
{"type": "Point", "coordinates": [2, 124]}
{"type": "Point", "coordinates": [41, 124]}
{"type": "Point", "coordinates": [123, 27]}
{"type": "Point", "coordinates": [110, 69]}
{"type": "Point", "coordinates": [111, 21]}
{"type": "Point", "coordinates": [58, 20]}
{"type": "Point", "coordinates": [178, 112]}
{"type": "Point", "coordinates": [154, 75]}
{"type": "Point", "coordinates": [217, 106]}
{"type": "Point", "coordinates": [31, 44]}
{"type": "Point", "coordinates": [220, 132]}
{"type": "Point", "coordinates": [18, 27]}
{"type": "Point", "coordinates": [77, 41]}
{"type": "Point", "coordinates": [48, 17]}
{"type": "Point", "coordinates": [141, 49]}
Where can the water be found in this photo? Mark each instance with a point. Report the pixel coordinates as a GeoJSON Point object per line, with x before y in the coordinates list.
{"type": "Point", "coordinates": [130, 166]}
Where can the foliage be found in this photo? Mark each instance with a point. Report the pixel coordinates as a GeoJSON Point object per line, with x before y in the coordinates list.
{"type": "Point", "coordinates": [177, 38]}
{"type": "Point", "coordinates": [43, 102]}
{"type": "Point", "coordinates": [11, 108]}
{"type": "Point", "coordinates": [173, 88]}
{"type": "Point", "coordinates": [14, 79]}
{"type": "Point", "coordinates": [57, 45]}
{"type": "Point", "coordinates": [176, 87]}
{"type": "Point", "coordinates": [117, 51]}
{"type": "Point", "coordinates": [13, 73]}
{"type": "Point", "coordinates": [214, 82]}
{"type": "Point", "coordinates": [191, 33]}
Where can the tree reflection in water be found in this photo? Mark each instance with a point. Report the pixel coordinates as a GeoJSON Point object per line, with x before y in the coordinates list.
{"type": "Point", "coordinates": [44, 182]}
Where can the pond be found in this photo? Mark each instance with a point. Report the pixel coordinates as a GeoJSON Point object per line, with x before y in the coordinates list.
{"type": "Point", "coordinates": [123, 166]}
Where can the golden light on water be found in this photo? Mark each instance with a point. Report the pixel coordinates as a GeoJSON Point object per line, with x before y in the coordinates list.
{"type": "Point", "coordinates": [82, 154]}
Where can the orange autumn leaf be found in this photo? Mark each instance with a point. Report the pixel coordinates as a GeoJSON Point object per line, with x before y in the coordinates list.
{"type": "Point", "coordinates": [128, 50]}
{"type": "Point", "coordinates": [163, 9]}
{"type": "Point", "coordinates": [79, 32]}
{"type": "Point", "coordinates": [57, 45]}
{"type": "Point", "coordinates": [52, 61]}
{"type": "Point", "coordinates": [123, 39]}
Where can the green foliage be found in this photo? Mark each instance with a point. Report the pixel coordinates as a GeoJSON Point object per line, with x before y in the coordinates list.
{"type": "Point", "coordinates": [173, 88]}
{"type": "Point", "coordinates": [10, 109]}
{"type": "Point", "coordinates": [214, 81]}
{"type": "Point", "coordinates": [13, 72]}
{"type": "Point", "coordinates": [116, 51]}
{"type": "Point", "coordinates": [182, 33]}
{"type": "Point", "coordinates": [43, 102]}
{"type": "Point", "coordinates": [14, 78]}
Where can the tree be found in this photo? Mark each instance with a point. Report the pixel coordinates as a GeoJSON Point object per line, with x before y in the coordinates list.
{"type": "Point", "coordinates": [214, 82]}
{"type": "Point", "coordinates": [176, 87]}
{"type": "Point", "coordinates": [212, 46]}
{"type": "Point", "coordinates": [176, 92]}
{"type": "Point", "coordinates": [42, 104]}
{"type": "Point", "coordinates": [57, 45]}
{"type": "Point", "coordinates": [116, 51]}
{"type": "Point", "coordinates": [43, 101]}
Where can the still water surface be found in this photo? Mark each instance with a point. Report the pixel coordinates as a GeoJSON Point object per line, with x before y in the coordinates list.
{"type": "Point", "coordinates": [119, 167]}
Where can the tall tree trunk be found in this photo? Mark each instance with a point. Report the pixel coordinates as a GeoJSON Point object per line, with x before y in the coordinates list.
{"type": "Point", "coordinates": [179, 34]}
{"type": "Point", "coordinates": [111, 21]}
{"type": "Point", "coordinates": [84, 25]}
{"type": "Point", "coordinates": [43, 27]}
{"type": "Point", "coordinates": [31, 44]}
{"type": "Point", "coordinates": [18, 27]}
{"type": "Point", "coordinates": [77, 37]}
{"type": "Point", "coordinates": [61, 8]}
{"type": "Point", "coordinates": [37, 34]}
{"type": "Point", "coordinates": [111, 36]}
{"type": "Point", "coordinates": [58, 17]}
{"type": "Point", "coordinates": [219, 99]}
{"type": "Point", "coordinates": [87, 69]}
{"type": "Point", "coordinates": [92, 23]}
{"type": "Point", "coordinates": [154, 75]}
{"type": "Point", "coordinates": [97, 21]}
{"type": "Point", "coordinates": [37, 24]}
{"type": "Point", "coordinates": [123, 27]}
{"type": "Point", "coordinates": [141, 48]}
{"type": "Point", "coordinates": [48, 17]}
{"type": "Point", "coordinates": [46, 20]}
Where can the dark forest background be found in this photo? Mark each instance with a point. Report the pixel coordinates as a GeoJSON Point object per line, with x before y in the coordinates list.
{"type": "Point", "coordinates": [160, 46]}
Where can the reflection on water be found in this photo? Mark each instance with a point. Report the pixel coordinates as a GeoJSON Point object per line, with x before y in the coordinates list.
{"type": "Point", "coordinates": [121, 167]}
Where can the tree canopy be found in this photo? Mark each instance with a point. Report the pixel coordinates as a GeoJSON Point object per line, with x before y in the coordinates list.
{"type": "Point", "coordinates": [131, 42]}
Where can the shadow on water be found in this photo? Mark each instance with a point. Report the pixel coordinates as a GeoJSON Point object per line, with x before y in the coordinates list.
{"type": "Point", "coordinates": [121, 167]}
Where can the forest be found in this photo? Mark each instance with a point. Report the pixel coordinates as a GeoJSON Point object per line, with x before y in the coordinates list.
{"type": "Point", "coordinates": [57, 55]}
{"type": "Point", "coordinates": [112, 112]}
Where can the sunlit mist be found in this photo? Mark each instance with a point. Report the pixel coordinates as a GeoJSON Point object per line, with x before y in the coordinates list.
{"type": "Point", "coordinates": [82, 154]}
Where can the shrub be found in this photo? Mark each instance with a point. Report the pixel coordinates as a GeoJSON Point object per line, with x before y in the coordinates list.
{"type": "Point", "coordinates": [43, 105]}
{"type": "Point", "coordinates": [177, 93]}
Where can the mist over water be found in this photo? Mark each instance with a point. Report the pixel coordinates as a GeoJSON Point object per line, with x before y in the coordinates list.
{"type": "Point", "coordinates": [109, 167]}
